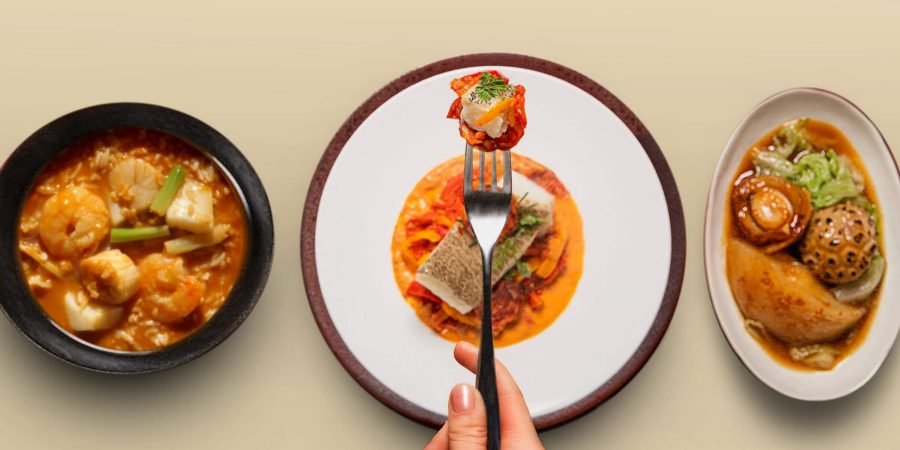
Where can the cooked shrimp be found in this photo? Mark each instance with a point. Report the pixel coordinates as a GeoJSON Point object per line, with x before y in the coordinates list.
{"type": "Point", "coordinates": [110, 277]}
{"type": "Point", "coordinates": [133, 183]}
{"type": "Point", "coordinates": [172, 293]}
{"type": "Point", "coordinates": [73, 222]}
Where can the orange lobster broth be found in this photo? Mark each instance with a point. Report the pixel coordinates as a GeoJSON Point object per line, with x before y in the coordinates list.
{"type": "Point", "coordinates": [163, 152]}
{"type": "Point", "coordinates": [555, 297]}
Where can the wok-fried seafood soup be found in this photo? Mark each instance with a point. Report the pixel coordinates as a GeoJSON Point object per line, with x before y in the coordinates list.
{"type": "Point", "coordinates": [131, 239]}
{"type": "Point", "coordinates": [804, 256]}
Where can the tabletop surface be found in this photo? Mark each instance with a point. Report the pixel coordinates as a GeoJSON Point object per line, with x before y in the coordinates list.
{"type": "Point", "coordinates": [279, 78]}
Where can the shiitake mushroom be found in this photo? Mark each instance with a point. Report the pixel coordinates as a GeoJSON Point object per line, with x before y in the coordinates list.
{"type": "Point", "coordinates": [771, 211]}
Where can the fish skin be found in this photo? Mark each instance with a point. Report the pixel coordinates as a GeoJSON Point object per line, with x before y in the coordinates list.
{"type": "Point", "coordinates": [453, 270]}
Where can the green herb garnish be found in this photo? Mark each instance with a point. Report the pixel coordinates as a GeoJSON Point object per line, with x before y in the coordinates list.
{"type": "Point", "coordinates": [491, 86]}
{"type": "Point", "coordinates": [529, 219]}
{"type": "Point", "coordinates": [523, 269]}
{"type": "Point", "coordinates": [828, 177]}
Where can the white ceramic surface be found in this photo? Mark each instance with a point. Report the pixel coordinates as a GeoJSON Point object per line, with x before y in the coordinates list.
{"type": "Point", "coordinates": [856, 369]}
{"type": "Point", "coordinates": [625, 219]}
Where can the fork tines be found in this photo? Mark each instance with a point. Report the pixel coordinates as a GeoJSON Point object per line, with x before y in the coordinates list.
{"type": "Point", "coordinates": [482, 163]}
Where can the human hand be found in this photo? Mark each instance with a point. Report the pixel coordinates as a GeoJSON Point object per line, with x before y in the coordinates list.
{"type": "Point", "coordinates": [466, 426]}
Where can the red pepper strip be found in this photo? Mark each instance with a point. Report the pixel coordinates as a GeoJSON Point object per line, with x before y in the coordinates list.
{"type": "Point", "coordinates": [417, 290]}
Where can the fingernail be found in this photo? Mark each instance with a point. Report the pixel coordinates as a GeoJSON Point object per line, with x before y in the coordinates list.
{"type": "Point", "coordinates": [468, 345]}
{"type": "Point", "coordinates": [462, 398]}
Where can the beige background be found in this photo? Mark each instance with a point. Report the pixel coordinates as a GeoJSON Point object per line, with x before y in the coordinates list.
{"type": "Point", "coordinates": [278, 78]}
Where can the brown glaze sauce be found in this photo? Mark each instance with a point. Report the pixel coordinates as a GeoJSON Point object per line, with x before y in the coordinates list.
{"type": "Point", "coordinates": [822, 135]}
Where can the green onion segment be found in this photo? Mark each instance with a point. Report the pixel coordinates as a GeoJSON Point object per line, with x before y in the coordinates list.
{"type": "Point", "coordinates": [168, 191]}
{"type": "Point", "coordinates": [119, 235]}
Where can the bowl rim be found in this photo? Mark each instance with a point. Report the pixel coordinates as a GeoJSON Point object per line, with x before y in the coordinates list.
{"type": "Point", "coordinates": [29, 159]}
{"type": "Point", "coordinates": [708, 248]}
{"type": "Point", "coordinates": [676, 219]}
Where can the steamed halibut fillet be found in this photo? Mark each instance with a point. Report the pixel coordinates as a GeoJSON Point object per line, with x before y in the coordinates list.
{"type": "Point", "coordinates": [453, 270]}
{"type": "Point", "coordinates": [785, 296]}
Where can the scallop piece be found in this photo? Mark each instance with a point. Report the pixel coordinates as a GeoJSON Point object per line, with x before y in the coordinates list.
{"type": "Point", "coordinates": [840, 243]}
{"type": "Point", "coordinates": [83, 315]}
{"type": "Point", "coordinates": [785, 296]}
{"type": "Point", "coordinates": [110, 277]}
{"type": "Point", "coordinates": [771, 211]}
{"type": "Point", "coordinates": [134, 183]}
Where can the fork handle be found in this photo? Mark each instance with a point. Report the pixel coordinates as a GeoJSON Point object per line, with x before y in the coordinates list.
{"type": "Point", "coordinates": [485, 374]}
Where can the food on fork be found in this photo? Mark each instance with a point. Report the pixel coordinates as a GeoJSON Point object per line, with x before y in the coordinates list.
{"type": "Point", "coordinates": [131, 239]}
{"type": "Point", "coordinates": [491, 112]}
{"type": "Point", "coordinates": [803, 251]}
{"type": "Point", "coordinates": [537, 260]}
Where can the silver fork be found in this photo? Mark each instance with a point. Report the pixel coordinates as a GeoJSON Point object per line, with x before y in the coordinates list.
{"type": "Point", "coordinates": [488, 208]}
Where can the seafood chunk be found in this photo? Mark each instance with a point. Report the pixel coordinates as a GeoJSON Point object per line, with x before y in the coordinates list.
{"type": "Point", "coordinates": [172, 294]}
{"type": "Point", "coordinates": [771, 211]}
{"type": "Point", "coordinates": [134, 183]}
{"type": "Point", "coordinates": [110, 277]}
{"type": "Point", "coordinates": [192, 209]}
{"type": "Point", "coordinates": [491, 112]}
{"type": "Point", "coordinates": [453, 270]}
{"type": "Point", "coordinates": [475, 110]}
{"type": "Point", "coordinates": [86, 316]}
{"type": "Point", "coordinates": [33, 250]}
{"type": "Point", "coordinates": [784, 295]}
{"type": "Point", "coordinates": [73, 222]}
{"type": "Point", "coordinates": [193, 242]}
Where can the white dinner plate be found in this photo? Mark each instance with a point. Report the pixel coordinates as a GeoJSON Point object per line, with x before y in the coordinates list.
{"type": "Point", "coordinates": [633, 227]}
{"type": "Point", "coordinates": [855, 370]}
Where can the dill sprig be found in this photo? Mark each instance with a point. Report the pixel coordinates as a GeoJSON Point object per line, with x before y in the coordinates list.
{"type": "Point", "coordinates": [491, 86]}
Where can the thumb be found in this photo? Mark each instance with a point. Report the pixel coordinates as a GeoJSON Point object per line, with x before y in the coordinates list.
{"type": "Point", "coordinates": [466, 419]}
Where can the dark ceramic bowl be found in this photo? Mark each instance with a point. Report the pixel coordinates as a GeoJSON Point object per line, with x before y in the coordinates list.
{"type": "Point", "coordinates": [24, 165]}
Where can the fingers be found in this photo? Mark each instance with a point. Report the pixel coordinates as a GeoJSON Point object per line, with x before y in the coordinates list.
{"type": "Point", "coordinates": [467, 420]}
{"type": "Point", "coordinates": [440, 441]}
{"type": "Point", "coordinates": [515, 420]}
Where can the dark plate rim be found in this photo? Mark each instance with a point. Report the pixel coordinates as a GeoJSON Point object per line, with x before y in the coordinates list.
{"type": "Point", "coordinates": [25, 163]}
{"type": "Point", "coordinates": [310, 213]}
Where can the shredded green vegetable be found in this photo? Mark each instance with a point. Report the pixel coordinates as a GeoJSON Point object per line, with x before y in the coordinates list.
{"type": "Point", "coordinates": [830, 178]}
{"type": "Point", "coordinates": [167, 193]}
{"type": "Point", "coordinates": [119, 235]}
